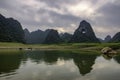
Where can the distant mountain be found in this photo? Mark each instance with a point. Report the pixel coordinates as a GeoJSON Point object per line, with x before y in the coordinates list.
{"type": "Point", "coordinates": [107, 38]}
{"type": "Point", "coordinates": [27, 35]}
{"type": "Point", "coordinates": [65, 37]}
{"type": "Point", "coordinates": [38, 37]}
{"type": "Point", "coordinates": [101, 40]}
{"type": "Point", "coordinates": [116, 38]}
{"type": "Point", "coordinates": [10, 30]}
{"type": "Point", "coordinates": [84, 33]}
{"type": "Point", "coordinates": [52, 36]}
{"type": "Point", "coordinates": [34, 37]}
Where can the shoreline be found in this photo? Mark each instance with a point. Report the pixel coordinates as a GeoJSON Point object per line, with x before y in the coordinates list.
{"type": "Point", "coordinates": [40, 48]}
{"type": "Point", "coordinates": [97, 47]}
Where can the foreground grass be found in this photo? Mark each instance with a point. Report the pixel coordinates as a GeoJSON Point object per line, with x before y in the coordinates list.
{"type": "Point", "coordinates": [71, 46]}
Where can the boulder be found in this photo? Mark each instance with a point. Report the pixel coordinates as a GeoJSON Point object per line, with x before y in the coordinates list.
{"type": "Point", "coordinates": [108, 50]}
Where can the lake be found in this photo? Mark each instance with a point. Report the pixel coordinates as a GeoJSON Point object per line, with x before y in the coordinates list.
{"type": "Point", "coordinates": [58, 65]}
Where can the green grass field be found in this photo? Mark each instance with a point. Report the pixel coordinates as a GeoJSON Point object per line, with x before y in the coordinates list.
{"type": "Point", "coordinates": [83, 46]}
{"type": "Point", "coordinates": [92, 48]}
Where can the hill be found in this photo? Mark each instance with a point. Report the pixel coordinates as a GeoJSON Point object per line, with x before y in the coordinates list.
{"type": "Point", "coordinates": [10, 30]}
{"type": "Point", "coordinates": [84, 33]}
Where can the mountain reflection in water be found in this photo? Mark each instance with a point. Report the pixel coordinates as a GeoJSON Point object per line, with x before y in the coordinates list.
{"type": "Point", "coordinates": [58, 65]}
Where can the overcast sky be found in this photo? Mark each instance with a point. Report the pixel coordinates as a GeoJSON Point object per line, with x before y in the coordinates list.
{"type": "Point", "coordinates": [65, 15]}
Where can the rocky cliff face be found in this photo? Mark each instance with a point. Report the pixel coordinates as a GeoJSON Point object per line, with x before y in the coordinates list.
{"type": "Point", "coordinates": [10, 30]}
{"type": "Point", "coordinates": [116, 38]}
{"type": "Point", "coordinates": [107, 38]}
{"type": "Point", "coordinates": [52, 36]}
{"type": "Point", "coordinates": [101, 40]}
{"type": "Point", "coordinates": [65, 37]}
{"type": "Point", "coordinates": [84, 33]}
{"type": "Point", "coordinates": [27, 35]}
{"type": "Point", "coordinates": [38, 37]}
{"type": "Point", "coordinates": [34, 37]}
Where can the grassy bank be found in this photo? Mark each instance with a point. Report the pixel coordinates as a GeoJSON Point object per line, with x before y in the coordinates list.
{"type": "Point", "coordinates": [83, 46]}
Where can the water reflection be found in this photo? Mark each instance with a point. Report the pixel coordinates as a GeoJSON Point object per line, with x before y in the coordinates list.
{"type": "Point", "coordinates": [56, 65]}
{"type": "Point", "coordinates": [112, 56]}
{"type": "Point", "coordinates": [117, 58]}
{"type": "Point", "coordinates": [84, 62]}
{"type": "Point", "coordinates": [9, 62]}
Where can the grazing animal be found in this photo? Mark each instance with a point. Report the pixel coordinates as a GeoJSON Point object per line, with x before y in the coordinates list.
{"type": "Point", "coordinates": [29, 48]}
{"type": "Point", "coordinates": [20, 48]}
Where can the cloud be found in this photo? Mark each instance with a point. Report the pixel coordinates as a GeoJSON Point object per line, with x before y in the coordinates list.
{"type": "Point", "coordinates": [65, 15]}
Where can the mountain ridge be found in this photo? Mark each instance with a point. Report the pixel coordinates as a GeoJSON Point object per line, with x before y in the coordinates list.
{"type": "Point", "coordinates": [11, 31]}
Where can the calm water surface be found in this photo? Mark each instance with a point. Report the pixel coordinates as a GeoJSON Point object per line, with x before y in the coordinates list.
{"type": "Point", "coordinates": [58, 65]}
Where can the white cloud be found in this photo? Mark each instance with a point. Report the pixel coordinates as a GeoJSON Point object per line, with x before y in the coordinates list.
{"type": "Point", "coordinates": [37, 18]}
{"type": "Point", "coordinates": [73, 25]}
{"type": "Point", "coordinates": [33, 4]}
{"type": "Point", "coordinates": [60, 62]}
{"type": "Point", "coordinates": [82, 9]}
{"type": "Point", "coordinates": [60, 29]}
{"type": "Point", "coordinates": [64, 15]}
{"type": "Point", "coordinates": [102, 30]}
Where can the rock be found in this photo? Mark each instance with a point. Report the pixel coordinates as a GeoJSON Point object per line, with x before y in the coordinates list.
{"type": "Point", "coordinates": [108, 50]}
{"type": "Point", "coordinates": [84, 33]}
